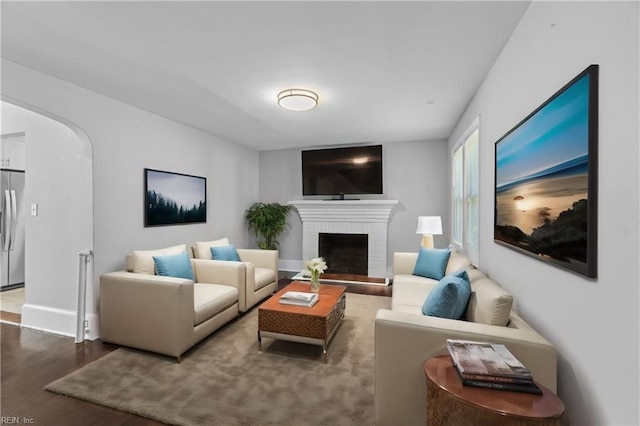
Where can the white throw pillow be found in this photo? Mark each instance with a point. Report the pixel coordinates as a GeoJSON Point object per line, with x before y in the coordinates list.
{"type": "Point", "coordinates": [143, 259]}
{"type": "Point", "coordinates": [489, 303]}
{"type": "Point", "coordinates": [203, 248]}
{"type": "Point", "coordinates": [457, 262]}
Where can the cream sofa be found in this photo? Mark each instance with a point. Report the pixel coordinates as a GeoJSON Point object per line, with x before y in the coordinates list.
{"type": "Point", "coordinates": [164, 314]}
{"type": "Point", "coordinates": [405, 338]}
{"type": "Point", "coordinates": [259, 270]}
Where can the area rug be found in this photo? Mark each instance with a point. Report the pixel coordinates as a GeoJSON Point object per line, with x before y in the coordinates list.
{"type": "Point", "coordinates": [224, 380]}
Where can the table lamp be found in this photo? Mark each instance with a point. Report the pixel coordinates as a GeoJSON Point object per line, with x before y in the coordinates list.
{"type": "Point", "coordinates": [429, 226]}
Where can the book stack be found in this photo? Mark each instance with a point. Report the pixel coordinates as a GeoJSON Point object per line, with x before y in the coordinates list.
{"type": "Point", "coordinates": [299, 298]}
{"type": "Point", "coordinates": [490, 365]}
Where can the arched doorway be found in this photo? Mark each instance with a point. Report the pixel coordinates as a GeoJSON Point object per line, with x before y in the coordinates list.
{"type": "Point", "coordinates": [59, 214]}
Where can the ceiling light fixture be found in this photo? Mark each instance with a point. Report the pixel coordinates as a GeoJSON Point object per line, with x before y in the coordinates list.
{"type": "Point", "coordinates": [297, 99]}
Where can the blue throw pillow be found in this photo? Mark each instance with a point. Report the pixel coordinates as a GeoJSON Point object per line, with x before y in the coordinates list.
{"type": "Point", "coordinates": [225, 253]}
{"type": "Point", "coordinates": [461, 280]}
{"type": "Point", "coordinates": [462, 273]}
{"type": "Point", "coordinates": [432, 263]}
{"type": "Point", "coordinates": [174, 265]}
{"type": "Point", "coordinates": [442, 301]}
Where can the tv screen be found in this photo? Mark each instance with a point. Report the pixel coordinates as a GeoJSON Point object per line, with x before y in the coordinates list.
{"type": "Point", "coordinates": [339, 171]}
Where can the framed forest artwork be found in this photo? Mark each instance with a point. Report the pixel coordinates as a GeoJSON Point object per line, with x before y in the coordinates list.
{"type": "Point", "coordinates": [174, 198]}
{"type": "Point", "coordinates": [546, 179]}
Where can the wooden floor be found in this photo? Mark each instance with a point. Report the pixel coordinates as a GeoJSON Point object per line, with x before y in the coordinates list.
{"type": "Point", "coordinates": [32, 359]}
{"type": "Point", "coordinates": [10, 317]}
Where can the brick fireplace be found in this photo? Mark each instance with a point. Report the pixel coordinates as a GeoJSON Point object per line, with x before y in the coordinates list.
{"type": "Point", "coordinates": [351, 217]}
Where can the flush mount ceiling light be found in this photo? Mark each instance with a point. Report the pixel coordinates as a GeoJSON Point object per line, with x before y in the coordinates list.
{"type": "Point", "coordinates": [297, 99]}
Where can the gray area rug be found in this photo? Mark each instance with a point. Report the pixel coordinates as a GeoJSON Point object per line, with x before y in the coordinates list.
{"type": "Point", "coordinates": [224, 380]}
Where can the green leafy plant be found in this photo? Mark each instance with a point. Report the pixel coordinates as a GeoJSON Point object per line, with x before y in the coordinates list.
{"type": "Point", "coordinates": [267, 221]}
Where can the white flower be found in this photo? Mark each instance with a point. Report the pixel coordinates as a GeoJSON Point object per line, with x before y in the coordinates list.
{"type": "Point", "coordinates": [316, 265]}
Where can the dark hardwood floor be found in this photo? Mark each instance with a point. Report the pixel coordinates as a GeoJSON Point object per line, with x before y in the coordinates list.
{"type": "Point", "coordinates": [31, 359]}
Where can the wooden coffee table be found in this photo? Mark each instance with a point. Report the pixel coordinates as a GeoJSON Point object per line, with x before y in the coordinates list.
{"type": "Point", "coordinates": [315, 325]}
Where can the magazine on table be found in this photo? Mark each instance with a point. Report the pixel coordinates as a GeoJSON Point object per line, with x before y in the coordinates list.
{"type": "Point", "coordinates": [299, 298]}
{"type": "Point", "coordinates": [513, 387]}
{"type": "Point", "coordinates": [487, 362]}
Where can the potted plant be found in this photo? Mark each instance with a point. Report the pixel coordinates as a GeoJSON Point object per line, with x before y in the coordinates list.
{"type": "Point", "coordinates": [267, 221]}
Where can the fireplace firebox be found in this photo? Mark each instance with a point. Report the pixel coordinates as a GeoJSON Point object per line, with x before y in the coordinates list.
{"type": "Point", "coordinates": [344, 253]}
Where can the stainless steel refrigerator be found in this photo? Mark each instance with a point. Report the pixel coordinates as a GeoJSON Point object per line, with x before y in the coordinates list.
{"type": "Point", "coordinates": [12, 221]}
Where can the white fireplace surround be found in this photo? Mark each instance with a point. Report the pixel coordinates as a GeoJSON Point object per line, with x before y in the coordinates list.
{"type": "Point", "coordinates": [370, 217]}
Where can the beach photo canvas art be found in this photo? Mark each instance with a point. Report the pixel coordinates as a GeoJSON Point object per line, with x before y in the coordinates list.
{"type": "Point", "coordinates": [174, 198]}
{"type": "Point", "coordinates": [546, 178]}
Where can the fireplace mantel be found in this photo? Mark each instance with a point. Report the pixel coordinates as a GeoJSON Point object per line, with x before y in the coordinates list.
{"type": "Point", "coordinates": [369, 217]}
{"type": "Point", "coordinates": [345, 210]}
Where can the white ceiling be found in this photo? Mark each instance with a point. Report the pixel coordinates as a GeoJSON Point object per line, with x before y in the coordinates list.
{"type": "Point", "coordinates": [384, 71]}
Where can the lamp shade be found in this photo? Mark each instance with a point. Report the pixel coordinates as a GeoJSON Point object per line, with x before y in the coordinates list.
{"type": "Point", "coordinates": [429, 225]}
{"type": "Point", "coordinates": [297, 99]}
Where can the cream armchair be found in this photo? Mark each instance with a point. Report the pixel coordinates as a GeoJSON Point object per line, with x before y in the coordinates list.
{"type": "Point", "coordinates": [164, 314]}
{"type": "Point", "coordinates": [260, 267]}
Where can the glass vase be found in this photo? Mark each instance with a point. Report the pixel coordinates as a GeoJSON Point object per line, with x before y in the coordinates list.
{"type": "Point", "coordinates": [315, 283]}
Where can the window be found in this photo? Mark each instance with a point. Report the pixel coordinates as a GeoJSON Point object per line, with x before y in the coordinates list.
{"type": "Point", "coordinates": [465, 193]}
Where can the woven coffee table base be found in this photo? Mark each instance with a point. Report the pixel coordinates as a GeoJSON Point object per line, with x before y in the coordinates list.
{"type": "Point", "coordinates": [316, 325]}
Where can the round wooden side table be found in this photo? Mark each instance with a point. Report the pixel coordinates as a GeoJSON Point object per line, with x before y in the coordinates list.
{"type": "Point", "coordinates": [449, 402]}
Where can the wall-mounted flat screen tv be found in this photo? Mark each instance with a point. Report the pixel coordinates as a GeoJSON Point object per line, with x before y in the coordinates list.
{"type": "Point", "coordinates": [546, 179]}
{"type": "Point", "coordinates": [342, 171]}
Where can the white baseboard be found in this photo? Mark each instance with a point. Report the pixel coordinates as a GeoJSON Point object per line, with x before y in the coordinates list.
{"type": "Point", "coordinates": [57, 321]}
{"type": "Point", "coordinates": [51, 320]}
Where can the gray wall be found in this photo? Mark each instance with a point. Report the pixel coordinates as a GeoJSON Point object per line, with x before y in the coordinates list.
{"type": "Point", "coordinates": [594, 324]}
{"type": "Point", "coordinates": [414, 174]}
{"type": "Point", "coordinates": [125, 140]}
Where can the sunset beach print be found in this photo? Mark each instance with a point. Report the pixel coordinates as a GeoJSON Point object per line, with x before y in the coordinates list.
{"type": "Point", "coordinates": [542, 179]}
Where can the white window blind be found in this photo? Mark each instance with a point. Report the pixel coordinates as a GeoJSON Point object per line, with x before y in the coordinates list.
{"type": "Point", "coordinates": [458, 197]}
{"type": "Point", "coordinates": [466, 194]}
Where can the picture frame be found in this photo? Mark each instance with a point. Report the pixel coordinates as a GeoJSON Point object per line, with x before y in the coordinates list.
{"type": "Point", "coordinates": [546, 176]}
{"type": "Point", "coordinates": [174, 198]}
